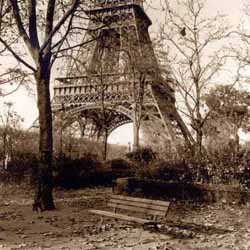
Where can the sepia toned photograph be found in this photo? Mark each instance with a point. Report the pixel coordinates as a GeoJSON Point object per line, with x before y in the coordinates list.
{"type": "Point", "coordinates": [124, 124]}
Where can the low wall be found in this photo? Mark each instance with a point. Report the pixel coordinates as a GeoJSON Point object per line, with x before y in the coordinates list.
{"type": "Point", "coordinates": [182, 191]}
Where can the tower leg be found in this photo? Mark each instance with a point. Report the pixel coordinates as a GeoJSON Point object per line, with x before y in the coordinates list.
{"type": "Point", "coordinates": [136, 128]}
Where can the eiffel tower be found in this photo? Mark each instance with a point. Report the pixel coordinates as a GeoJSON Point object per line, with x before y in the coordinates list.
{"type": "Point", "coordinates": [115, 79]}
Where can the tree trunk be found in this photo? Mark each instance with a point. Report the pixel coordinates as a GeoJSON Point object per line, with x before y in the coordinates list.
{"type": "Point", "coordinates": [61, 142]}
{"type": "Point", "coordinates": [237, 138]}
{"type": "Point", "coordinates": [43, 177]}
{"type": "Point", "coordinates": [105, 142]}
{"type": "Point", "coordinates": [4, 149]}
{"type": "Point", "coordinates": [199, 137]}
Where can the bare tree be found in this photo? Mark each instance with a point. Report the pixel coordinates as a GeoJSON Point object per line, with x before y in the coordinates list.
{"type": "Point", "coordinates": [241, 46]}
{"type": "Point", "coordinates": [197, 56]}
{"type": "Point", "coordinates": [9, 128]}
{"type": "Point", "coordinates": [36, 34]}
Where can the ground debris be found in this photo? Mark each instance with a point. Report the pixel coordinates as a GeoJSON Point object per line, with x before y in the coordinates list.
{"type": "Point", "coordinates": [71, 227]}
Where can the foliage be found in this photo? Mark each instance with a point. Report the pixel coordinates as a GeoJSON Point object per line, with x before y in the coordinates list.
{"type": "Point", "coordinates": [10, 122]}
{"type": "Point", "coordinates": [20, 168]}
{"type": "Point", "coordinates": [166, 171]}
{"type": "Point", "coordinates": [222, 166]}
{"type": "Point", "coordinates": [23, 163]}
{"type": "Point", "coordinates": [230, 104]}
{"type": "Point", "coordinates": [87, 171]}
{"type": "Point", "coordinates": [120, 168]}
{"type": "Point", "coordinates": [74, 172]}
{"type": "Point", "coordinates": [142, 156]}
{"type": "Point", "coordinates": [119, 164]}
{"type": "Point", "coordinates": [218, 167]}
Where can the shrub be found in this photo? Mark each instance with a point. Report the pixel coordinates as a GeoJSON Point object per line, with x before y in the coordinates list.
{"type": "Point", "coordinates": [119, 164]}
{"type": "Point", "coordinates": [73, 173]}
{"type": "Point", "coordinates": [22, 165]}
{"type": "Point", "coordinates": [120, 168]}
{"type": "Point", "coordinates": [166, 171]}
{"type": "Point", "coordinates": [83, 172]}
{"type": "Point", "coordinates": [245, 177]}
{"type": "Point", "coordinates": [142, 156]}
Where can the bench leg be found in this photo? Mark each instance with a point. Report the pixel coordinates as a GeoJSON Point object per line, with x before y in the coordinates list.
{"type": "Point", "coordinates": [156, 227]}
{"type": "Point", "coordinates": [156, 231]}
{"type": "Point", "coordinates": [99, 227]}
{"type": "Point", "coordinates": [139, 241]}
{"type": "Point", "coordinates": [140, 234]}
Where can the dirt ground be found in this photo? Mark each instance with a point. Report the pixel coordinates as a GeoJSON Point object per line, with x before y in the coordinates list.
{"type": "Point", "coordinates": [71, 227]}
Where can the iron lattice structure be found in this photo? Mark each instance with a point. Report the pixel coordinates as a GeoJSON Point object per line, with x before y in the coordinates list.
{"type": "Point", "coordinates": [116, 79]}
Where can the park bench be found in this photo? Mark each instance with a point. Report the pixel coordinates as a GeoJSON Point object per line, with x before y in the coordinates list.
{"type": "Point", "coordinates": [152, 210]}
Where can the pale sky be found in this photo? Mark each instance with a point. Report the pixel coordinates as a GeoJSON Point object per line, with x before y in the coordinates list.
{"type": "Point", "coordinates": [26, 105]}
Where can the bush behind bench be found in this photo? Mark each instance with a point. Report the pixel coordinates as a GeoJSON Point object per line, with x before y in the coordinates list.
{"type": "Point", "coordinates": [182, 191]}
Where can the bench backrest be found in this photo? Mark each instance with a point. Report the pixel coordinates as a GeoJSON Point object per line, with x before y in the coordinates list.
{"type": "Point", "coordinates": [145, 206]}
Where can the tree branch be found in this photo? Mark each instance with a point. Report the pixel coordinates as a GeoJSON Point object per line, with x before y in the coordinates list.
{"type": "Point", "coordinates": [33, 24]}
{"type": "Point", "coordinates": [51, 32]}
{"type": "Point", "coordinates": [22, 31]}
{"type": "Point", "coordinates": [18, 58]}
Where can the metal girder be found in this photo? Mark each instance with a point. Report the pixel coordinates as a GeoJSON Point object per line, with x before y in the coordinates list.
{"type": "Point", "coordinates": [118, 72]}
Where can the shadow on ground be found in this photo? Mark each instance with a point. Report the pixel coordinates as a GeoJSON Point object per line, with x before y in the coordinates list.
{"type": "Point", "coordinates": [182, 230]}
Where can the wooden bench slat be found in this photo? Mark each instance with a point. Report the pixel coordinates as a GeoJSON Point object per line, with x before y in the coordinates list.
{"type": "Point", "coordinates": [120, 216]}
{"type": "Point", "coordinates": [133, 204]}
{"type": "Point", "coordinates": [140, 204]}
{"type": "Point", "coordinates": [147, 201]}
{"type": "Point", "coordinates": [137, 209]}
